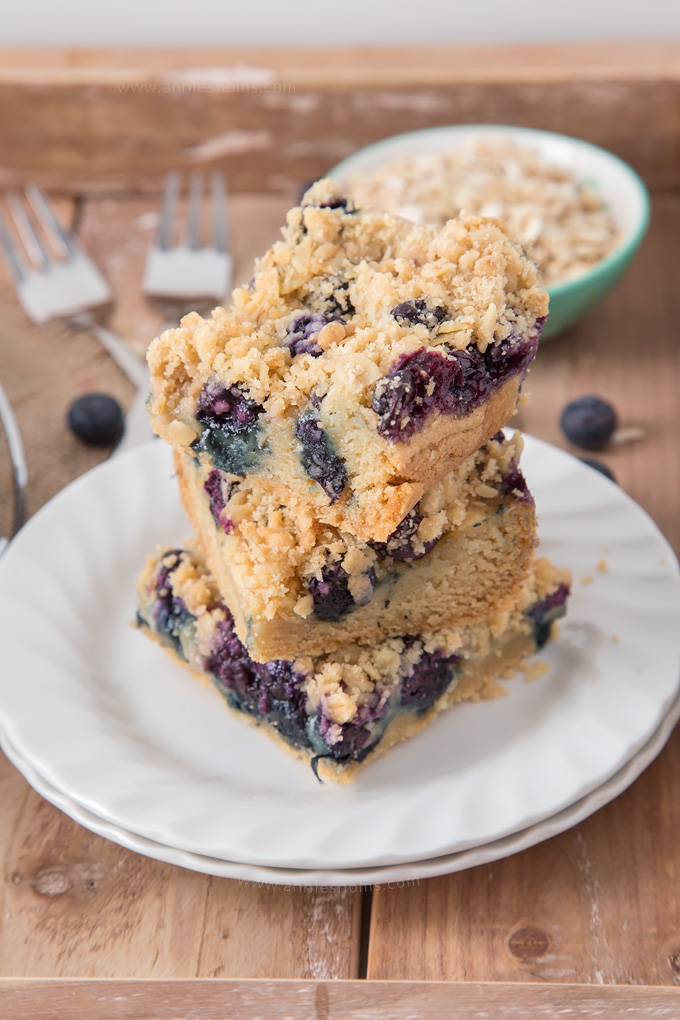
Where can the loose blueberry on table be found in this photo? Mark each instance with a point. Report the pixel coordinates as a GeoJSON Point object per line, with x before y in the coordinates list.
{"type": "Point", "coordinates": [589, 422]}
{"type": "Point", "coordinates": [97, 419]}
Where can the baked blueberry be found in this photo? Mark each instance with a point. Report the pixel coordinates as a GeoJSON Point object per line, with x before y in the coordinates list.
{"type": "Point", "coordinates": [219, 491]}
{"type": "Point", "coordinates": [331, 594]}
{"type": "Point", "coordinates": [589, 422]}
{"type": "Point", "coordinates": [418, 384]}
{"type": "Point", "coordinates": [230, 435]}
{"type": "Point", "coordinates": [418, 313]}
{"type": "Point", "coordinates": [428, 679]}
{"type": "Point", "coordinates": [318, 458]}
{"type": "Point", "coordinates": [169, 612]}
{"type": "Point", "coordinates": [228, 409]}
{"type": "Point", "coordinates": [303, 329]}
{"type": "Point", "coordinates": [261, 689]}
{"type": "Point", "coordinates": [450, 381]}
{"type": "Point", "coordinates": [334, 203]}
{"type": "Point", "coordinates": [356, 738]}
{"type": "Point", "coordinates": [544, 613]}
{"type": "Point", "coordinates": [97, 419]}
{"type": "Point", "coordinates": [338, 302]}
{"type": "Point", "coordinates": [401, 544]}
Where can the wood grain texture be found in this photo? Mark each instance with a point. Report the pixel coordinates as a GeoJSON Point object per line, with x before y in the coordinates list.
{"type": "Point", "coordinates": [335, 64]}
{"type": "Point", "coordinates": [108, 121]}
{"type": "Point", "coordinates": [76, 905]}
{"type": "Point", "coordinates": [338, 1000]}
{"type": "Point", "coordinates": [599, 903]}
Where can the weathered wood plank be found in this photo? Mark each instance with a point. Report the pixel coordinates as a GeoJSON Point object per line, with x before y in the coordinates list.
{"type": "Point", "coordinates": [333, 64]}
{"type": "Point", "coordinates": [600, 903]}
{"type": "Point", "coordinates": [337, 1000]}
{"type": "Point", "coordinates": [76, 905]}
{"type": "Point", "coordinates": [112, 121]}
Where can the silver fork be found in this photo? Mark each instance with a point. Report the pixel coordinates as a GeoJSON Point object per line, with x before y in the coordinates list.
{"type": "Point", "coordinates": [18, 458]}
{"type": "Point", "coordinates": [186, 274]}
{"type": "Point", "coordinates": [66, 285]}
{"type": "Point", "coordinates": [190, 271]}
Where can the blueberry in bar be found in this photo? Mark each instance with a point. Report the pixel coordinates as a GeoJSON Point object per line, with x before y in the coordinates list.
{"type": "Point", "coordinates": [341, 709]}
{"type": "Point", "coordinates": [295, 585]}
{"type": "Point", "coordinates": [367, 358]}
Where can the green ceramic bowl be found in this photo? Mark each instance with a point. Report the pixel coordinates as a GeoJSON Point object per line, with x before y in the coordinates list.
{"type": "Point", "coordinates": [618, 186]}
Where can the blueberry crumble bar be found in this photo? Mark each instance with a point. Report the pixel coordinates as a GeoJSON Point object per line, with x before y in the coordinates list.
{"type": "Point", "coordinates": [297, 586]}
{"type": "Point", "coordinates": [341, 709]}
{"type": "Point", "coordinates": [366, 359]}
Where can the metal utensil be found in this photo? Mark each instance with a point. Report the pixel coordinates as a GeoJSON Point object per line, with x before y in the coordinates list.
{"type": "Point", "coordinates": [53, 276]}
{"type": "Point", "coordinates": [19, 469]}
{"type": "Point", "coordinates": [190, 271]}
{"type": "Point", "coordinates": [183, 275]}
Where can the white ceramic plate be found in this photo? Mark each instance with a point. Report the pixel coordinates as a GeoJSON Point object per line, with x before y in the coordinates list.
{"type": "Point", "coordinates": [360, 877]}
{"type": "Point", "coordinates": [107, 718]}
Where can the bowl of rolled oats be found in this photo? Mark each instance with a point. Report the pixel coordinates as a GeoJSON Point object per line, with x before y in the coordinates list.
{"type": "Point", "coordinates": [578, 209]}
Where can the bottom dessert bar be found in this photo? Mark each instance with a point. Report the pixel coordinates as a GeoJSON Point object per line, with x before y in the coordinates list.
{"type": "Point", "coordinates": [340, 710]}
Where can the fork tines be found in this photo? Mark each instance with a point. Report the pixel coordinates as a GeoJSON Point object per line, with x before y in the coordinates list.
{"type": "Point", "coordinates": [52, 275]}
{"type": "Point", "coordinates": [37, 254]}
{"type": "Point", "coordinates": [190, 269]}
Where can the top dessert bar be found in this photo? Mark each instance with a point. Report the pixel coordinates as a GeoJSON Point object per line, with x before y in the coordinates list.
{"type": "Point", "coordinates": [366, 359]}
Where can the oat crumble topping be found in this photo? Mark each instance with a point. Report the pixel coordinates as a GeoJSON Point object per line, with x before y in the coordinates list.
{"type": "Point", "coordinates": [562, 220]}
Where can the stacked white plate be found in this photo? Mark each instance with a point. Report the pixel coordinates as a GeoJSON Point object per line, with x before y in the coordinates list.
{"type": "Point", "coordinates": [106, 726]}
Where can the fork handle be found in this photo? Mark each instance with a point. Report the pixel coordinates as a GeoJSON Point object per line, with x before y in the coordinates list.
{"type": "Point", "coordinates": [128, 362]}
{"type": "Point", "coordinates": [18, 458]}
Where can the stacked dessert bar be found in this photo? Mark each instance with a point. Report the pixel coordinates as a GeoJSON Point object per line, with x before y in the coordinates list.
{"type": "Point", "coordinates": [364, 538]}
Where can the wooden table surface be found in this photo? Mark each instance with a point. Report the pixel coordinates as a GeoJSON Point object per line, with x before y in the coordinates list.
{"type": "Point", "coordinates": [587, 920]}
